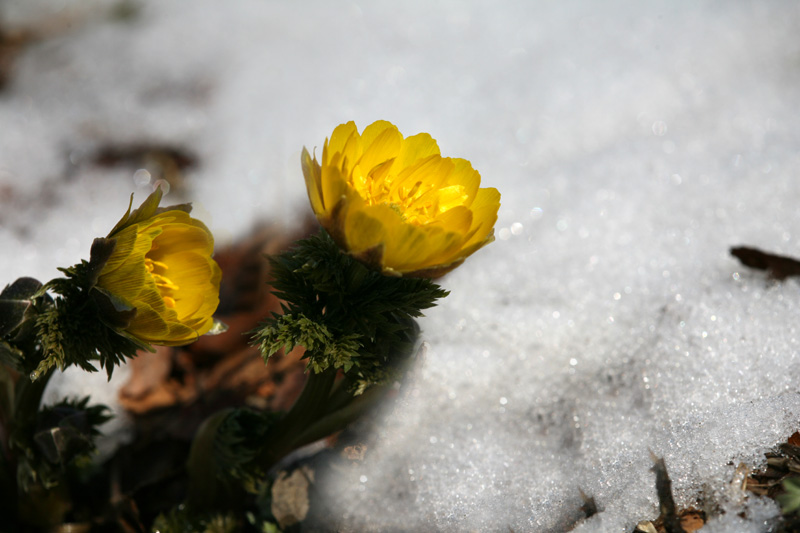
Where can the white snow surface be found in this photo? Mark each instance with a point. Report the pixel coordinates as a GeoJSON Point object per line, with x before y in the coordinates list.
{"type": "Point", "coordinates": [633, 144]}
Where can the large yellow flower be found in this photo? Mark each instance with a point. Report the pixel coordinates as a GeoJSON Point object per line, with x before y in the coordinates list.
{"type": "Point", "coordinates": [160, 265]}
{"type": "Point", "coordinates": [396, 204]}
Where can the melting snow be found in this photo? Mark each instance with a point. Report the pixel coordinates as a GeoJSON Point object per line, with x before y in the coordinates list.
{"type": "Point", "coordinates": [634, 143]}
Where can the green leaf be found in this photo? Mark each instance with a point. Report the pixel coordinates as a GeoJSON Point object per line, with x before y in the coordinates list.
{"type": "Point", "coordinates": [790, 500]}
{"type": "Point", "coordinates": [82, 326]}
{"type": "Point", "coordinates": [22, 289]}
{"type": "Point", "coordinates": [239, 440]}
{"type": "Point", "coordinates": [59, 436]}
{"type": "Point", "coordinates": [10, 356]}
{"type": "Point", "coordinates": [16, 301]}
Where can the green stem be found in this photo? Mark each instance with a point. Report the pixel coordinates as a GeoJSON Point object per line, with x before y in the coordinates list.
{"type": "Point", "coordinates": [7, 480]}
{"type": "Point", "coordinates": [29, 395]}
{"type": "Point", "coordinates": [8, 486]}
{"type": "Point", "coordinates": [207, 490]}
{"type": "Point", "coordinates": [40, 505]}
{"type": "Point", "coordinates": [306, 410]}
{"type": "Point", "coordinates": [340, 396]}
{"type": "Point", "coordinates": [337, 419]}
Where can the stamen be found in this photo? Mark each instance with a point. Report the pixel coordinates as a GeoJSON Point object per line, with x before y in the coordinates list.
{"type": "Point", "coordinates": [165, 286]}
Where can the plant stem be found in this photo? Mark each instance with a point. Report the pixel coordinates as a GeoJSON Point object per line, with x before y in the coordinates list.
{"type": "Point", "coordinates": [45, 506]}
{"type": "Point", "coordinates": [308, 408]}
{"type": "Point", "coordinates": [207, 490]}
{"type": "Point", "coordinates": [337, 419]}
{"type": "Point", "coordinates": [340, 395]}
{"type": "Point", "coordinates": [29, 395]}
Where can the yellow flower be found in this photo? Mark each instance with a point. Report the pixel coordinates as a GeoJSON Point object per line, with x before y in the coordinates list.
{"type": "Point", "coordinates": [160, 265]}
{"type": "Point", "coordinates": [396, 204]}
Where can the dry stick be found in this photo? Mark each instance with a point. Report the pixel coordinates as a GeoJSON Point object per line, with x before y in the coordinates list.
{"type": "Point", "coordinates": [672, 523]}
{"type": "Point", "coordinates": [778, 267]}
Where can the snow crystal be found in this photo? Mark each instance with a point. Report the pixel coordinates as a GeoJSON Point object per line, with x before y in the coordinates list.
{"type": "Point", "coordinates": [633, 143]}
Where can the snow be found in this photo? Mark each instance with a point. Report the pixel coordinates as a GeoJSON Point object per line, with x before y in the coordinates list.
{"type": "Point", "coordinates": [633, 143]}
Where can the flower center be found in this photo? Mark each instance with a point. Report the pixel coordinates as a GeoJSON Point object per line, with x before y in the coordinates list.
{"type": "Point", "coordinates": [418, 204]}
{"type": "Point", "coordinates": [165, 287]}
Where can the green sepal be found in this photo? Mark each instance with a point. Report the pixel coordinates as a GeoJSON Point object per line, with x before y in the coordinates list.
{"type": "Point", "coordinates": [147, 210]}
{"type": "Point", "coordinates": [144, 211]}
{"type": "Point", "coordinates": [115, 312]}
{"type": "Point", "coordinates": [99, 254]}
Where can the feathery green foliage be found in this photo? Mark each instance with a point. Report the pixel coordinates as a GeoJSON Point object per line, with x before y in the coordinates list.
{"type": "Point", "coordinates": [58, 437]}
{"type": "Point", "coordinates": [345, 315]}
{"type": "Point", "coordinates": [82, 325]}
{"type": "Point", "coordinates": [239, 440]}
{"type": "Point", "coordinates": [179, 520]}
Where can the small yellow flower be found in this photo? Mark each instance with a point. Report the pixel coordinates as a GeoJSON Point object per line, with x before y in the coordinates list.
{"type": "Point", "coordinates": [396, 204]}
{"type": "Point", "coordinates": [161, 266]}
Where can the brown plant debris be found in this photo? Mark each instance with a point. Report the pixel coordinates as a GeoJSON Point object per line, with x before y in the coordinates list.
{"type": "Point", "coordinates": [12, 43]}
{"type": "Point", "coordinates": [782, 464]}
{"type": "Point", "coordinates": [589, 506]}
{"type": "Point", "coordinates": [668, 515]}
{"type": "Point", "coordinates": [777, 266]}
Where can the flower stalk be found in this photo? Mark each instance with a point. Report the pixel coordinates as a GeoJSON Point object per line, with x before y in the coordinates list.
{"type": "Point", "coordinates": [288, 433]}
{"type": "Point", "coordinates": [395, 214]}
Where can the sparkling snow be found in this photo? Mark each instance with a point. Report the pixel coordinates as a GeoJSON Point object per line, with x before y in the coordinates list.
{"type": "Point", "coordinates": [633, 143]}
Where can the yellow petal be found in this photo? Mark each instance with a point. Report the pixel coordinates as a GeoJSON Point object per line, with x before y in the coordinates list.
{"type": "Point", "coordinates": [457, 219]}
{"type": "Point", "coordinates": [366, 228]}
{"type": "Point", "coordinates": [313, 175]}
{"type": "Point", "coordinates": [416, 147]}
{"type": "Point", "coordinates": [464, 175]}
{"type": "Point", "coordinates": [383, 147]}
{"type": "Point", "coordinates": [148, 324]}
{"type": "Point", "coordinates": [162, 266]}
{"type": "Point", "coordinates": [422, 177]}
{"type": "Point", "coordinates": [375, 130]}
{"type": "Point", "coordinates": [334, 187]}
{"type": "Point", "coordinates": [340, 136]}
